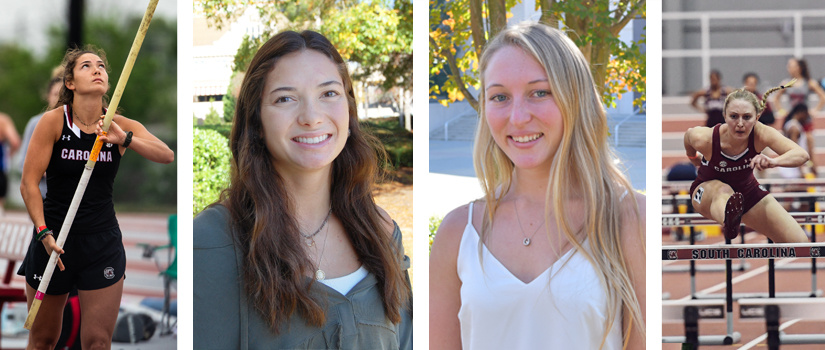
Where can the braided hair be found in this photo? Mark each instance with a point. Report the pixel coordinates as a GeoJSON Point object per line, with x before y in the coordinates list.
{"type": "Point", "coordinates": [744, 94]}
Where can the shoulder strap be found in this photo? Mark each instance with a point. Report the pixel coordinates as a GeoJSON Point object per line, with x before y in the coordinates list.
{"type": "Point", "coordinates": [470, 214]}
{"type": "Point", "coordinates": [716, 146]}
{"type": "Point", "coordinates": [67, 115]}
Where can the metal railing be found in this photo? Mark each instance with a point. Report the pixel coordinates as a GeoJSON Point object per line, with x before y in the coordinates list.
{"type": "Point", "coordinates": [705, 52]}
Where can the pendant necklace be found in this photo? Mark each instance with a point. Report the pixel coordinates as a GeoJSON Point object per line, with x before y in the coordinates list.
{"type": "Point", "coordinates": [527, 240]}
{"type": "Point", "coordinates": [319, 274]}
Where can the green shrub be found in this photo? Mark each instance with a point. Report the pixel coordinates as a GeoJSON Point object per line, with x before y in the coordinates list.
{"type": "Point", "coordinates": [435, 222]}
{"type": "Point", "coordinates": [228, 106]}
{"type": "Point", "coordinates": [397, 141]}
{"type": "Point", "coordinates": [212, 117]}
{"type": "Point", "coordinates": [211, 157]}
{"type": "Point", "coordinates": [223, 129]}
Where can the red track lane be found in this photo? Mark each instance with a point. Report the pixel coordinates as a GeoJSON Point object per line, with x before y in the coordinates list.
{"type": "Point", "coordinates": [755, 280]}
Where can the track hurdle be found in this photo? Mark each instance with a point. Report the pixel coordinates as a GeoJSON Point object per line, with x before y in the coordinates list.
{"type": "Point", "coordinates": [691, 308]}
{"type": "Point", "coordinates": [773, 310]}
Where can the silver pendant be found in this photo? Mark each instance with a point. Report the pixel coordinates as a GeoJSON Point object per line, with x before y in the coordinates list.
{"type": "Point", "coordinates": [320, 275]}
{"type": "Point", "coordinates": [526, 242]}
{"type": "Point", "coordinates": [310, 242]}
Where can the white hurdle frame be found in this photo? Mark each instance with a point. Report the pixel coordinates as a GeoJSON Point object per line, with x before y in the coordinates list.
{"type": "Point", "coordinates": [775, 309]}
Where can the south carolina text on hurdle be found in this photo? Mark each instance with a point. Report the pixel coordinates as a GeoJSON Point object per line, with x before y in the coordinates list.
{"type": "Point", "coordinates": [743, 251]}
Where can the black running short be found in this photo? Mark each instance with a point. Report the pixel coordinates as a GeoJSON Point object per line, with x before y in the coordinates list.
{"type": "Point", "coordinates": [92, 261]}
{"type": "Point", "coordinates": [4, 184]}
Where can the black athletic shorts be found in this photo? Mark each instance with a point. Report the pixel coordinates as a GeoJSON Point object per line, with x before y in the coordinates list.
{"type": "Point", "coordinates": [92, 261]}
{"type": "Point", "coordinates": [4, 184]}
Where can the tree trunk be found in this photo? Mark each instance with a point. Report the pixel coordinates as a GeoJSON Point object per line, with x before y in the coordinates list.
{"type": "Point", "coordinates": [498, 16]}
{"type": "Point", "coordinates": [477, 25]}
{"type": "Point", "coordinates": [598, 66]}
{"type": "Point", "coordinates": [547, 16]}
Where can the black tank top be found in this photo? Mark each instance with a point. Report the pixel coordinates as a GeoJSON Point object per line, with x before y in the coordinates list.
{"type": "Point", "coordinates": [96, 212]}
{"type": "Point", "coordinates": [714, 107]}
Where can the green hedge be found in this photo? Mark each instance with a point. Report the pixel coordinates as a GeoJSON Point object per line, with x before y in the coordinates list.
{"type": "Point", "coordinates": [211, 157]}
{"type": "Point", "coordinates": [224, 129]}
{"type": "Point", "coordinates": [397, 141]}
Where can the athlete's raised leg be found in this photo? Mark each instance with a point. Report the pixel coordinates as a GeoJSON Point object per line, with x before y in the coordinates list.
{"type": "Point", "coordinates": [717, 200]}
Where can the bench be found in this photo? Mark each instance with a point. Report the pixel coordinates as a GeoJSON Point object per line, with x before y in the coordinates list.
{"type": "Point", "coordinates": [14, 242]}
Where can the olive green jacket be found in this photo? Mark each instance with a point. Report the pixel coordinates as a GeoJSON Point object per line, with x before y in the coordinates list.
{"type": "Point", "coordinates": [224, 318]}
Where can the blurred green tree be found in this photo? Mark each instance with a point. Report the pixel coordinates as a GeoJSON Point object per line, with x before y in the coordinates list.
{"type": "Point", "coordinates": [150, 96]}
{"type": "Point", "coordinates": [375, 34]}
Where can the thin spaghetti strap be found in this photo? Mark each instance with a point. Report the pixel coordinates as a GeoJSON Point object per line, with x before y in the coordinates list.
{"type": "Point", "coordinates": [470, 214]}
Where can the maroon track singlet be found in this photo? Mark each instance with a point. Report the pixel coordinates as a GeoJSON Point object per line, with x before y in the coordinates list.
{"type": "Point", "coordinates": [734, 170]}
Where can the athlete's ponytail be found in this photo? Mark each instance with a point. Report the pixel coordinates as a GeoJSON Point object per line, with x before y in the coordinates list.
{"type": "Point", "coordinates": [744, 94]}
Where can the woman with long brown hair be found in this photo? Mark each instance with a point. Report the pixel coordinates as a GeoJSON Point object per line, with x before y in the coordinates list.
{"type": "Point", "coordinates": [296, 254]}
{"type": "Point", "coordinates": [93, 259]}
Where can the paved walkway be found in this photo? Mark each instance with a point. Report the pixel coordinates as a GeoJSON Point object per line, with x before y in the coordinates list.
{"type": "Point", "coordinates": [452, 182]}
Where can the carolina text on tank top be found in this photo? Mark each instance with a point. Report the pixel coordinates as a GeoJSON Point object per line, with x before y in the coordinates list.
{"type": "Point", "coordinates": [69, 155]}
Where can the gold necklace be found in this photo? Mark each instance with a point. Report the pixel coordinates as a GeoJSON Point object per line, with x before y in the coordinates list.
{"type": "Point", "coordinates": [319, 274]}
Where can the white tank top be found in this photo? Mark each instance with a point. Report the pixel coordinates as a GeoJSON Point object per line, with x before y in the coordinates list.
{"type": "Point", "coordinates": [345, 283]}
{"type": "Point", "coordinates": [499, 311]}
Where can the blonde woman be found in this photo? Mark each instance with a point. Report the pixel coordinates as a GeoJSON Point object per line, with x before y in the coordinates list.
{"type": "Point", "coordinates": [725, 189]}
{"type": "Point", "coordinates": [553, 255]}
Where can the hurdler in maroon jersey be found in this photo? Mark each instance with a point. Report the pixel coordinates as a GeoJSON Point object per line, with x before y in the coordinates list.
{"type": "Point", "coordinates": [734, 170]}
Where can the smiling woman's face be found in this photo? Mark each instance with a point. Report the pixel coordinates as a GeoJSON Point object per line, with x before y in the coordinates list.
{"type": "Point", "coordinates": [304, 112]}
{"type": "Point", "coordinates": [520, 109]}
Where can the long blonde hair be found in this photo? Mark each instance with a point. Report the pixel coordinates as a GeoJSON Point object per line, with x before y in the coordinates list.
{"type": "Point", "coordinates": [582, 166]}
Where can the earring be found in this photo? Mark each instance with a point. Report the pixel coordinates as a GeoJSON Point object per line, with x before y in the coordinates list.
{"type": "Point", "coordinates": [349, 132]}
